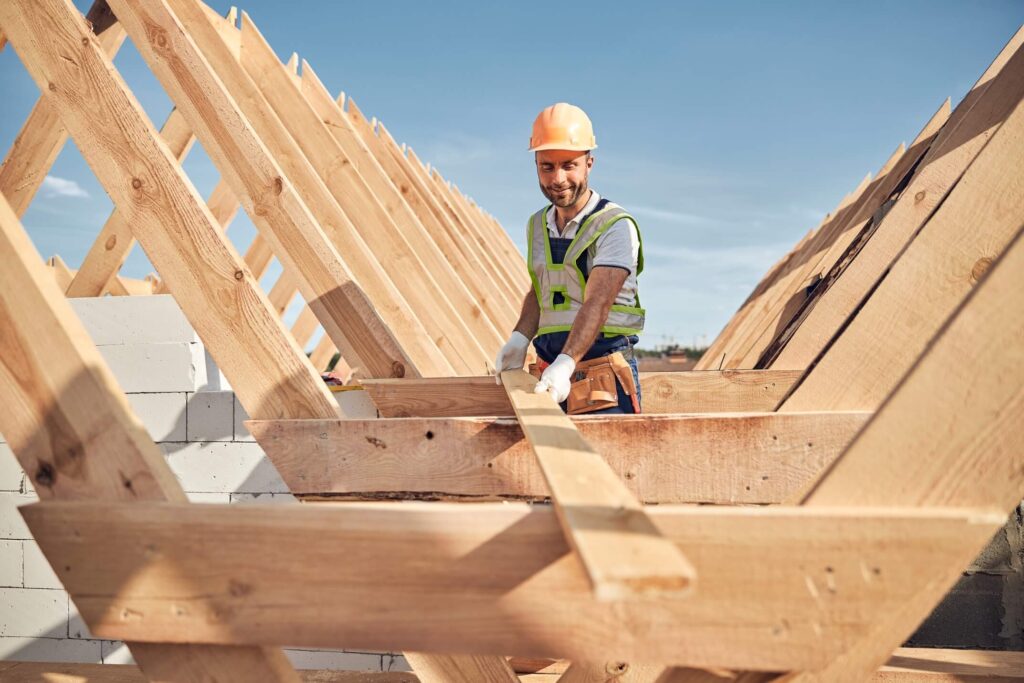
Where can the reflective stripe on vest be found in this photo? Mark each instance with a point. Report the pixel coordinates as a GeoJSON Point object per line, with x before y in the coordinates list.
{"type": "Point", "coordinates": [566, 277]}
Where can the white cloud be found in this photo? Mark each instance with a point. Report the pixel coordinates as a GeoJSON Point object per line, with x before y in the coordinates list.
{"type": "Point", "coordinates": [62, 187]}
{"type": "Point", "coordinates": [669, 215]}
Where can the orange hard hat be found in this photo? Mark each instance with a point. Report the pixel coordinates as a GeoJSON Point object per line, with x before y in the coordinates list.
{"type": "Point", "coordinates": [563, 126]}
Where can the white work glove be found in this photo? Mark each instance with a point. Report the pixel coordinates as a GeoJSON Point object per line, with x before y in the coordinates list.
{"type": "Point", "coordinates": [556, 378]}
{"type": "Point", "coordinates": [512, 355]}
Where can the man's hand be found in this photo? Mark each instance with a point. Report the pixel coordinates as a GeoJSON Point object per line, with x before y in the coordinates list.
{"type": "Point", "coordinates": [512, 355]}
{"type": "Point", "coordinates": [557, 378]}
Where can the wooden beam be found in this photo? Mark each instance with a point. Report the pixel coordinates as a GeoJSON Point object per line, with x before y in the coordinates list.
{"type": "Point", "coordinates": [322, 354]}
{"type": "Point", "coordinates": [460, 669]}
{"type": "Point", "coordinates": [908, 665]}
{"type": "Point", "coordinates": [623, 553]}
{"type": "Point", "coordinates": [304, 327]}
{"type": "Point", "coordinates": [663, 392]}
{"type": "Point", "coordinates": [225, 121]}
{"type": "Point", "coordinates": [969, 128]}
{"type": "Point", "coordinates": [722, 459]}
{"type": "Point", "coordinates": [43, 135]}
{"type": "Point", "coordinates": [402, 248]}
{"type": "Point", "coordinates": [115, 241]}
{"type": "Point", "coordinates": [70, 426]}
{"type": "Point", "coordinates": [494, 578]}
{"type": "Point", "coordinates": [939, 267]}
{"type": "Point", "coordinates": [170, 219]}
{"type": "Point", "coordinates": [438, 253]}
{"type": "Point", "coordinates": [908, 167]}
{"type": "Point", "coordinates": [616, 672]}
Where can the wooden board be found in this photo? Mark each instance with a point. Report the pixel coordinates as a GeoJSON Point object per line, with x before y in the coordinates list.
{"type": "Point", "coordinates": [663, 392]}
{"type": "Point", "coordinates": [72, 430]}
{"type": "Point", "coordinates": [980, 216]}
{"type": "Point", "coordinates": [969, 128]}
{"type": "Point", "coordinates": [115, 241]}
{"type": "Point", "coordinates": [402, 248]}
{"type": "Point", "coordinates": [42, 136]}
{"type": "Point", "coordinates": [623, 553]}
{"type": "Point", "coordinates": [437, 577]}
{"type": "Point", "coordinates": [227, 128]}
{"type": "Point", "coordinates": [217, 294]}
{"type": "Point", "coordinates": [721, 459]}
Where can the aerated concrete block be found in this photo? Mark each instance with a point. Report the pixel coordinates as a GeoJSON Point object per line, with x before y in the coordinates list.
{"type": "Point", "coordinates": [38, 573]}
{"type": "Point", "coordinates": [115, 652]}
{"type": "Point", "coordinates": [50, 649]}
{"type": "Point", "coordinates": [223, 467]}
{"type": "Point", "coordinates": [11, 560]}
{"type": "Point", "coordinates": [211, 416]}
{"type": "Point", "coordinates": [241, 432]}
{"type": "Point", "coordinates": [163, 415]}
{"type": "Point", "coordinates": [33, 612]}
{"type": "Point", "coordinates": [134, 320]}
{"type": "Point", "coordinates": [157, 368]}
{"type": "Point", "coordinates": [12, 526]}
{"type": "Point", "coordinates": [12, 477]}
{"type": "Point", "coordinates": [333, 659]}
{"type": "Point", "coordinates": [356, 404]}
{"type": "Point", "coordinates": [276, 498]}
{"type": "Point", "coordinates": [395, 662]}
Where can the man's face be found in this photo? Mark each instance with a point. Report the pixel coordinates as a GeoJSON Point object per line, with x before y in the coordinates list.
{"type": "Point", "coordinates": [563, 175]}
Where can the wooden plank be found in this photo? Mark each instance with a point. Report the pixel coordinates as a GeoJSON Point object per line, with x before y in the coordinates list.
{"type": "Point", "coordinates": [283, 291]}
{"type": "Point", "coordinates": [493, 578]}
{"type": "Point", "coordinates": [965, 416]}
{"type": "Point", "coordinates": [908, 665]}
{"type": "Point", "coordinates": [486, 284]}
{"type": "Point", "coordinates": [42, 136]}
{"type": "Point", "coordinates": [225, 125]}
{"type": "Point", "coordinates": [907, 169]}
{"type": "Point", "coordinates": [39, 672]}
{"type": "Point", "coordinates": [322, 354]}
{"type": "Point", "coordinates": [460, 668]}
{"type": "Point", "coordinates": [366, 150]}
{"type": "Point", "coordinates": [613, 672]}
{"type": "Point", "coordinates": [982, 213]}
{"type": "Point", "coordinates": [304, 327]}
{"type": "Point", "coordinates": [115, 241]}
{"type": "Point", "coordinates": [209, 281]}
{"type": "Point", "coordinates": [402, 248]}
{"type": "Point", "coordinates": [968, 130]}
{"type": "Point", "coordinates": [721, 459]}
{"type": "Point", "coordinates": [663, 392]}
{"type": "Point", "coordinates": [70, 426]}
{"type": "Point", "coordinates": [622, 551]}
{"type": "Point", "coordinates": [449, 216]}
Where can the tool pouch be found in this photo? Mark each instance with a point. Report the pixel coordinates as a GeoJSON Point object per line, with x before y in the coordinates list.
{"type": "Point", "coordinates": [593, 387]}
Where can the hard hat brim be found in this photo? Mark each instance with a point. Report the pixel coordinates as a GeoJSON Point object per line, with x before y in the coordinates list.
{"type": "Point", "coordinates": [562, 146]}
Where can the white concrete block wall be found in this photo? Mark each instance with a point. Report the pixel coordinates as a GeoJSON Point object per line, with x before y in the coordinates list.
{"type": "Point", "coordinates": [161, 363]}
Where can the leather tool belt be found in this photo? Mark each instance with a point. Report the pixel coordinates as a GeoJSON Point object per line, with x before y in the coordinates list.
{"type": "Point", "coordinates": [593, 386]}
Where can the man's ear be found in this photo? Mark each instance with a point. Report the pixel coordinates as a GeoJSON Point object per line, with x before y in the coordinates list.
{"type": "Point", "coordinates": [590, 161]}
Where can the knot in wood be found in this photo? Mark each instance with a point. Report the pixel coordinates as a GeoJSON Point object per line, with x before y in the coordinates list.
{"type": "Point", "coordinates": [616, 668]}
{"type": "Point", "coordinates": [239, 274]}
{"type": "Point", "coordinates": [45, 475]}
{"type": "Point", "coordinates": [980, 267]}
{"type": "Point", "coordinates": [278, 185]}
{"type": "Point", "coordinates": [110, 243]}
{"type": "Point", "coordinates": [136, 183]}
{"type": "Point", "coordinates": [52, 86]}
{"type": "Point", "coordinates": [919, 196]}
{"type": "Point", "coordinates": [397, 369]}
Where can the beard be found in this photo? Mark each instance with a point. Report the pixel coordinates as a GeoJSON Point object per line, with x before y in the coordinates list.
{"type": "Point", "coordinates": [567, 196]}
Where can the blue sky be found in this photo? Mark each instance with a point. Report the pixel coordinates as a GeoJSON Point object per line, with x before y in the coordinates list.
{"type": "Point", "coordinates": [728, 129]}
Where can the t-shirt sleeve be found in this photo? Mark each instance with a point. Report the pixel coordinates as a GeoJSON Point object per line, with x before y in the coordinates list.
{"type": "Point", "coordinates": [619, 246]}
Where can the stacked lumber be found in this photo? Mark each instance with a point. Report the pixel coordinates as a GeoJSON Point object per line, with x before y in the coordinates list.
{"type": "Point", "coordinates": [879, 475]}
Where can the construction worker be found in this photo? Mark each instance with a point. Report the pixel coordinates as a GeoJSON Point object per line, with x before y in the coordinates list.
{"type": "Point", "coordinates": [584, 254]}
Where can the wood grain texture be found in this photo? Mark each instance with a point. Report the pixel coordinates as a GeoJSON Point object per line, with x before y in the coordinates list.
{"type": "Point", "coordinates": [721, 459]}
{"type": "Point", "coordinates": [246, 144]}
{"type": "Point", "coordinates": [367, 150]}
{"type": "Point", "coordinates": [115, 240]}
{"type": "Point", "coordinates": [220, 298]}
{"type": "Point", "coordinates": [43, 135]}
{"type": "Point", "coordinates": [623, 553]}
{"type": "Point", "coordinates": [969, 128]}
{"type": "Point", "coordinates": [400, 245]}
{"type": "Point", "coordinates": [460, 669]}
{"type": "Point", "coordinates": [433, 577]}
{"type": "Point", "coordinates": [979, 217]}
{"type": "Point", "coordinates": [663, 392]}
